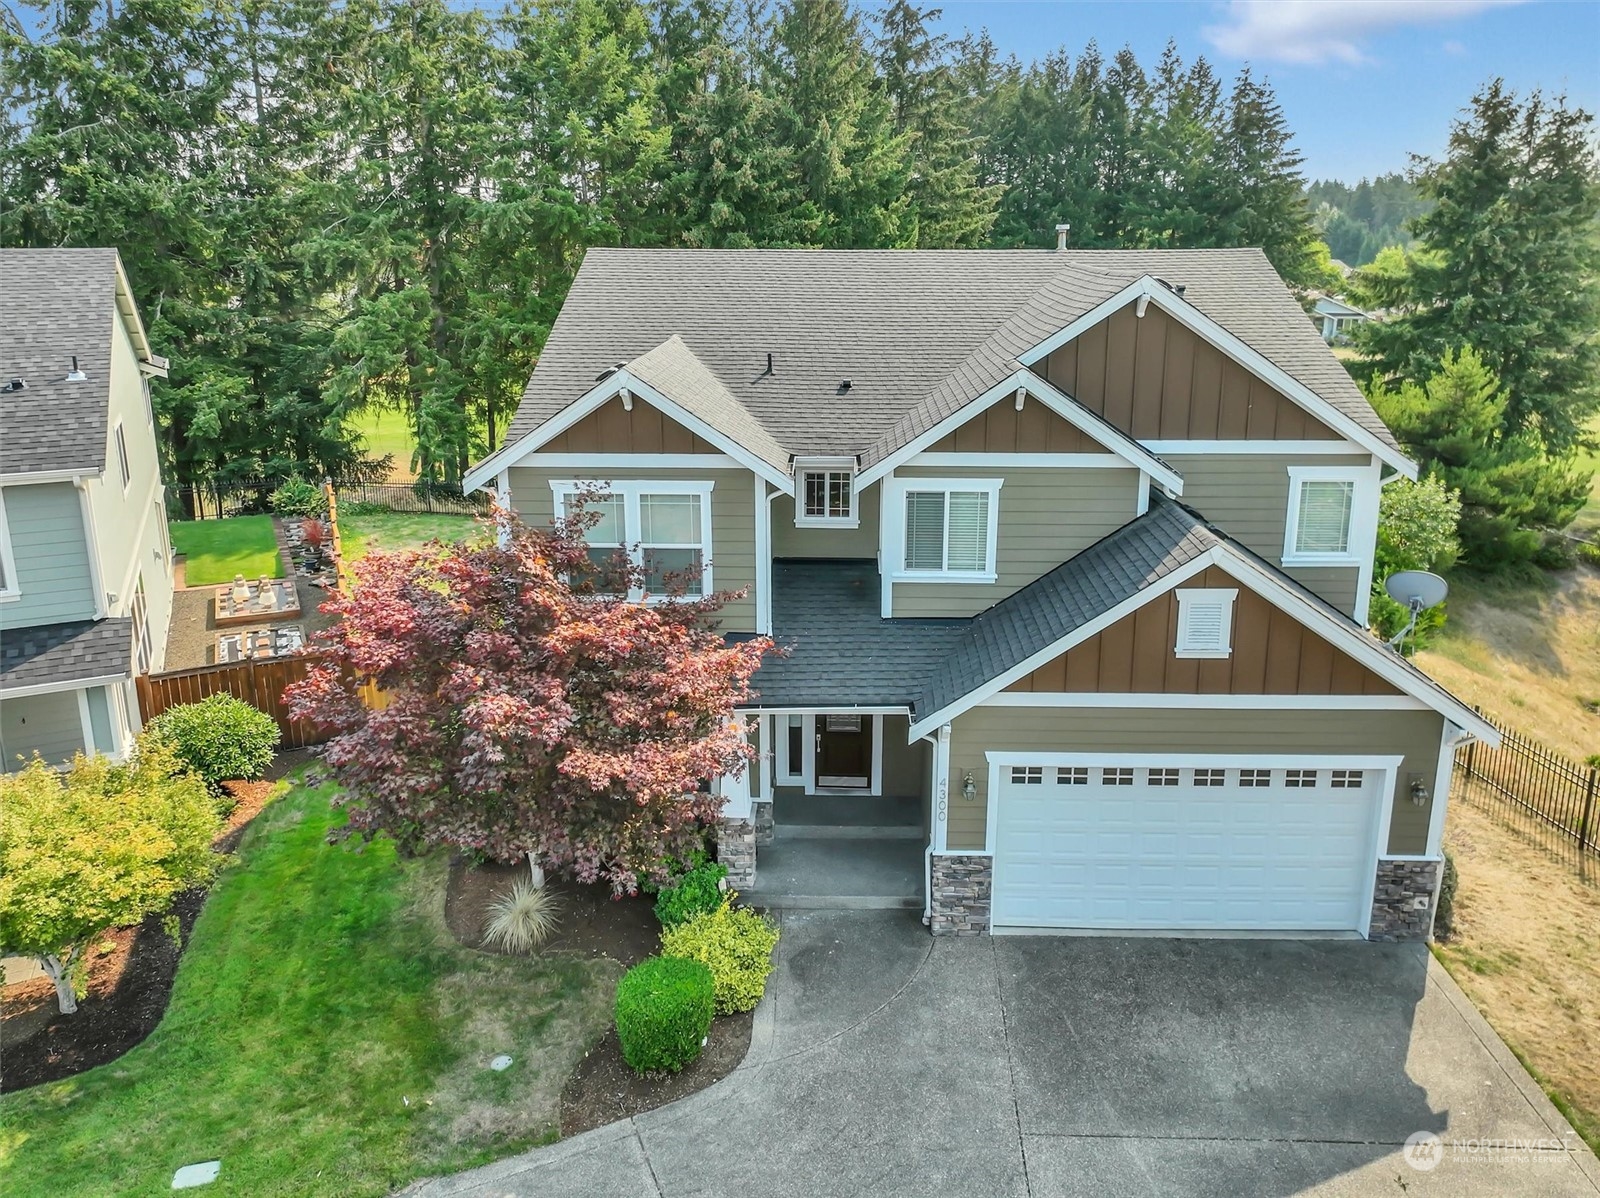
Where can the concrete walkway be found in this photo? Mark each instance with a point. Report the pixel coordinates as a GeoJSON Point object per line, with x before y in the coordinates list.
{"type": "Point", "coordinates": [887, 1063]}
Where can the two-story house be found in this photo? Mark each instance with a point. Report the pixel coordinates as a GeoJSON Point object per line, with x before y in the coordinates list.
{"type": "Point", "coordinates": [1073, 549]}
{"type": "Point", "coordinates": [85, 563]}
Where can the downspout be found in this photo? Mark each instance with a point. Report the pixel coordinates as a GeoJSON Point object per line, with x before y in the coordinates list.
{"type": "Point", "coordinates": [1454, 743]}
{"type": "Point", "coordinates": [927, 854]}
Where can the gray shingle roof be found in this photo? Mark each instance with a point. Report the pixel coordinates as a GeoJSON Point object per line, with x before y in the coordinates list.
{"type": "Point", "coordinates": [55, 303]}
{"type": "Point", "coordinates": [917, 333]}
{"type": "Point", "coordinates": [65, 652]}
{"type": "Point", "coordinates": [673, 369]}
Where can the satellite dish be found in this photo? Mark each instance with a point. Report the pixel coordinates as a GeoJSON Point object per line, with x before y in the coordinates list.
{"type": "Point", "coordinates": [1416, 589]}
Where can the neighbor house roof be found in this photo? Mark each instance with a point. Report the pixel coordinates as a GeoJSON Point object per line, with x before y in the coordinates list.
{"type": "Point", "coordinates": [917, 333]}
{"type": "Point", "coordinates": [57, 304]}
{"type": "Point", "coordinates": [75, 652]}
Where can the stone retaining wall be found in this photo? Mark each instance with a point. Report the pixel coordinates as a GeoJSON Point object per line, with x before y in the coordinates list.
{"type": "Point", "coordinates": [1402, 901]}
{"type": "Point", "coordinates": [960, 894]}
{"type": "Point", "coordinates": [736, 848]}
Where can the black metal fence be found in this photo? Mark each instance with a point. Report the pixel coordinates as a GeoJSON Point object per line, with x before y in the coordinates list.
{"type": "Point", "coordinates": [246, 497]}
{"type": "Point", "coordinates": [1550, 798]}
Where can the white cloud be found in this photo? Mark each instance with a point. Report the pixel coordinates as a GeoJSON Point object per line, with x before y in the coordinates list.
{"type": "Point", "coordinates": [1454, 48]}
{"type": "Point", "coordinates": [1318, 31]}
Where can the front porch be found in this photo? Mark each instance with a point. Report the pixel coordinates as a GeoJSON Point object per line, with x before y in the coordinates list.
{"type": "Point", "coordinates": [842, 852]}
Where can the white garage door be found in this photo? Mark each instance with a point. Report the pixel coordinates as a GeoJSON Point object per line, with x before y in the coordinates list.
{"type": "Point", "coordinates": [1225, 847]}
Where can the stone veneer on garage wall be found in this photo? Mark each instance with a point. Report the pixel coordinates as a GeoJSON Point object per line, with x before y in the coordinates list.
{"type": "Point", "coordinates": [959, 904]}
{"type": "Point", "coordinates": [1402, 900]}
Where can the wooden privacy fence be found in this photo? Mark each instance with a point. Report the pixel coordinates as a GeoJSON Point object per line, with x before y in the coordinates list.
{"type": "Point", "coordinates": [258, 683]}
{"type": "Point", "coordinates": [1552, 798]}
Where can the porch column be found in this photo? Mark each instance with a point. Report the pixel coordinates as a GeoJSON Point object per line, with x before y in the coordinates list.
{"type": "Point", "coordinates": [941, 788]}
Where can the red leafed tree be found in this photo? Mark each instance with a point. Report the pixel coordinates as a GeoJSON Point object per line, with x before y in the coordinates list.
{"type": "Point", "coordinates": [527, 712]}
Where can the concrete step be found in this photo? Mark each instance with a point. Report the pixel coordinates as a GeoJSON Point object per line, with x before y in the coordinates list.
{"type": "Point", "coordinates": [831, 902]}
{"type": "Point", "coordinates": [849, 832]}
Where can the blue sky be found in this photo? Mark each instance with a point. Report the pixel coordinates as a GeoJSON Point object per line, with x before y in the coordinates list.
{"type": "Point", "coordinates": [1363, 83]}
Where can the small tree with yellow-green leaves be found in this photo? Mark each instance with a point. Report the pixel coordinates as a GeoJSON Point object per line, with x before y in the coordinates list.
{"type": "Point", "coordinates": [99, 846]}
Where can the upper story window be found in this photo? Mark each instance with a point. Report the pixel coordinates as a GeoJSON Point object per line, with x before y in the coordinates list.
{"type": "Point", "coordinates": [8, 564]}
{"type": "Point", "coordinates": [826, 493]}
{"type": "Point", "coordinates": [663, 526]}
{"type": "Point", "coordinates": [122, 456]}
{"type": "Point", "coordinates": [950, 529]}
{"type": "Point", "coordinates": [1205, 622]}
{"type": "Point", "coordinates": [1332, 515]}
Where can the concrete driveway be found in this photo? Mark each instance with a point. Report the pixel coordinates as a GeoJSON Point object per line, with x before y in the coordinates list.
{"type": "Point", "coordinates": [888, 1063]}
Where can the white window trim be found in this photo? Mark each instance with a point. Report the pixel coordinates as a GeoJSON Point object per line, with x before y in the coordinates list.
{"type": "Point", "coordinates": [119, 443]}
{"type": "Point", "coordinates": [1204, 596]}
{"type": "Point", "coordinates": [11, 591]}
{"type": "Point", "coordinates": [629, 491]}
{"type": "Point", "coordinates": [1361, 537]}
{"type": "Point", "coordinates": [805, 776]}
{"type": "Point", "coordinates": [825, 466]}
{"type": "Point", "coordinates": [893, 522]}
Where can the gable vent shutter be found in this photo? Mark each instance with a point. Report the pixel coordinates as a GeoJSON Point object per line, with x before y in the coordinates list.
{"type": "Point", "coordinates": [1207, 626]}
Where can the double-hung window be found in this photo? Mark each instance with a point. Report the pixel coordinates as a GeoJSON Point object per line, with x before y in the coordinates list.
{"type": "Point", "coordinates": [1332, 514]}
{"type": "Point", "coordinates": [948, 530]}
{"type": "Point", "coordinates": [662, 527]}
{"type": "Point", "coordinates": [826, 494]}
{"type": "Point", "coordinates": [8, 563]}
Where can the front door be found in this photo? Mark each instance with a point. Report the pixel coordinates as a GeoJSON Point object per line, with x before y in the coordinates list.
{"type": "Point", "coordinates": [844, 751]}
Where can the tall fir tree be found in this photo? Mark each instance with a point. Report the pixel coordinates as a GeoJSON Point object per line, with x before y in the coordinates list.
{"type": "Point", "coordinates": [1509, 263]}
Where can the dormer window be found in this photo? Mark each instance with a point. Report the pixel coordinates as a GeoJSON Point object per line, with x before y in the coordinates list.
{"type": "Point", "coordinates": [826, 495]}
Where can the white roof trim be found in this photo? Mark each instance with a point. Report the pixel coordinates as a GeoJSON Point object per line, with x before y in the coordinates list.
{"type": "Point", "coordinates": [1341, 635]}
{"type": "Point", "coordinates": [73, 684]}
{"type": "Point", "coordinates": [1251, 359]}
{"type": "Point", "coordinates": [485, 472]}
{"type": "Point", "coordinates": [1058, 402]}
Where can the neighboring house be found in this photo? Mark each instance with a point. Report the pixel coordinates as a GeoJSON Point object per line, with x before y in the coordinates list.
{"type": "Point", "coordinates": [1335, 318]}
{"type": "Point", "coordinates": [85, 563]}
{"type": "Point", "coordinates": [1075, 547]}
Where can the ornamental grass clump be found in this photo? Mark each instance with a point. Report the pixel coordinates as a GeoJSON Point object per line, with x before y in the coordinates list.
{"type": "Point", "coordinates": [663, 1013]}
{"type": "Point", "coordinates": [735, 945]}
{"type": "Point", "coordinates": [523, 918]}
{"type": "Point", "coordinates": [697, 892]}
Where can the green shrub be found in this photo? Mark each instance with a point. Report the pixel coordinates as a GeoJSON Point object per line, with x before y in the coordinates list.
{"type": "Point", "coordinates": [297, 497]}
{"type": "Point", "coordinates": [219, 738]}
{"type": "Point", "coordinates": [735, 945]}
{"type": "Point", "coordinates": [698, 891]}
{"type": "Point", "coordinates": [663, 1013]}
{"type": "Point", "coordinates": [1444, 919]}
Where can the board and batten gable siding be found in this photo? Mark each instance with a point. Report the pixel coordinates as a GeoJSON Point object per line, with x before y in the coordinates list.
{"type": "Point", "coordinates": [1415, 735]}
{"type": "Point", "coordinates": [1156, 380]}
{"type": "Point", "coordinates": [1247, 496]}
{"type": "Point", "coordinates": [49, 724]}
{"type": "Point", "coordinates": [1046, 517]}
{"type": "Point", "coordinates": [51, 552]}
{"type": "Point", "coordinates": [1000, 428]}
{"type": "Point", "coordinates": [1273, 654]}
{"type": "Point", "coordinates": [611, 428]}
{"type": "Point", "coordinates": [858, 542]}
{"type": "Point", "coordinates": [733, 525]}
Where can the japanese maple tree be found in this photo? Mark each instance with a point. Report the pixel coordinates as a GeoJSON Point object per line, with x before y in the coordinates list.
{"type": "Point", "coordinates": [529, 712]}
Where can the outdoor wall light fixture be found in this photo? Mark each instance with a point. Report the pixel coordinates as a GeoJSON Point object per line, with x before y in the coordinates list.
{"type": "Point", "coordinates": [969, 788]}
{"type": "Point", "coordinates": [1419, 791]}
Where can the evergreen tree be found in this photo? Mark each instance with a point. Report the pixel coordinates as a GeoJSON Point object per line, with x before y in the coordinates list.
{"type": "Point", "coordinates": [1512, 266]}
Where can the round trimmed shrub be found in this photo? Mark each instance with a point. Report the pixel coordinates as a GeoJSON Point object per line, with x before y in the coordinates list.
{"type": "Point", "coordinates": [735, 945]}
{"type": "Point", "coordinates": [220, 738]}
{"type": "Point", "coordinates": [663, 1013]}
{"type": "Point", "coordinates": [695, 893]}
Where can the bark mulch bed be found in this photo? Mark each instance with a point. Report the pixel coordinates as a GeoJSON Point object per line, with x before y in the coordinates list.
{"type": "Point", "coordinates": [602, 1089]}
{"type": "Point", "coordinates": [131, 971]}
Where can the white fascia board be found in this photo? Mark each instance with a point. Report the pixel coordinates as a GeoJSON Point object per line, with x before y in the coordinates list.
{"type": "Point", "coordinates": [1058, 402]}
{"type": "Point", "coordinates": [47, 688]}
{"type": "Point", "coordinates": [1185, 702]}
{"type": "Point", "coordinates": [1241, 352]}
{"type": "Point", "coordinates": [34, 477]}
{"type": "Point", "coordinates": [512, 455]}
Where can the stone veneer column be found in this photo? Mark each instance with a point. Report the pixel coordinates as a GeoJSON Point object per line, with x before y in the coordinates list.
{"type": "Point", "coordinates": [736, 848]}
{"type": "Point", "coordinates": [1402, 900]}
{"type": "Point", "coordinates": [961, 886]}
{"type": "Point", "coordinates": [761, 814]}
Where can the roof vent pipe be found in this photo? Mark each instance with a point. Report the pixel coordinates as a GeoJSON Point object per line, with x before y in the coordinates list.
{"type": "Point", "coordinates": [1061, 236]}
{"type": "Point", "coordinates": [769, 369]}
{"type": "Point", "coordinates": [75, 375]}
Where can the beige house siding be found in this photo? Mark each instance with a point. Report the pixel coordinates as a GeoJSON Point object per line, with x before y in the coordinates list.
{"type": "Point", "coordinates": [1273, 654]}
{"type": "Point", "coordinates": [1413, 734]}
{"type": "Point", "coordinates": [860, 542]}
{"type": "Point", "coordinates": [1156, 380]}
{"type": "Point", "coordinates": [1046, 516]}
{"type": "Point", "coordinates": [49, 724]}
{"type": "Point", "coordinates": [733, 527]}
{"type": "Point", "coordinates": [1247, 496]}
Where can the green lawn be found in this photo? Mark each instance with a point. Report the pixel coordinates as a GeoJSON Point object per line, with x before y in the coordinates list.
{"type": "Point", "coordinates": [325, 1036]}
{"type": "Point", "coordinates": [360, 535]}
{"type": "Point", "coordinates": [386, 432]}
{"type": "Point", "coordinates": [1588, 522]}
{"type": "Point", "coordinates": [218, 549]}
